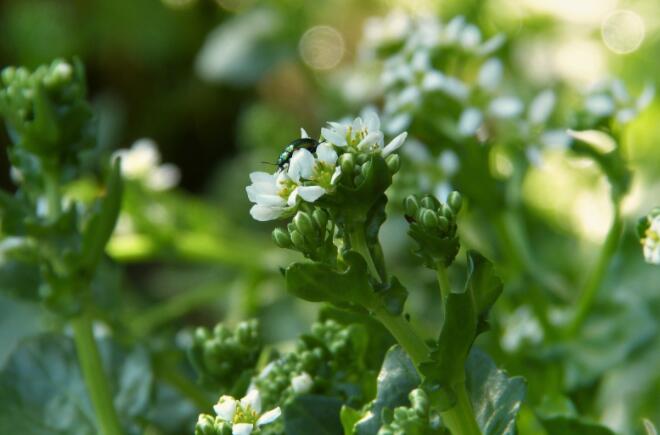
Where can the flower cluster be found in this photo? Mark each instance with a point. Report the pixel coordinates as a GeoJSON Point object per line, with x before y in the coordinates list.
{"type": "Point", "coordinates": [236, 417]}
{"type": "Point", "coordinates": [326, 361]}
{"type": "Point", "coordinates": [305, 174]}
{"type": "Point", "coordinates": [649, 232]}
{"type": "Point", "coordinates": [142, 162]}
{"type": "Point", "coordinates": [611, 99]}
{"type": "Point", "coordinates": [220, 356]}
{"type": "Point", "coordinates": [417, 419]}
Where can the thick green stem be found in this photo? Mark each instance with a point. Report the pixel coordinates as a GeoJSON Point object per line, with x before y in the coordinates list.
{"type": "Point", "coordinates": [95, 378]}
{"type": "Point", "coordinates": [460, 419]}
{"type": "Point", "coordinates": [359, 244]}
{"type": "Point", "coordinates": [595, 279]}
{"type": "Point", "coordinates": [404, 335]}
{"type": "Point", "coordinates": [443, 281]}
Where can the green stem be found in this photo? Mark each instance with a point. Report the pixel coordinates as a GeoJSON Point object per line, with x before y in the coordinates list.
{"type": "Point", "coordinates": [595, 279]}
{"type": "Point", "coordinates": [513, 237]}
{"type": "Point", "coordinates": [95, 379]}
{"type": "Point", "coordinates": [359, 244]}
{"type": "Point", "coordinates": [460, 419]}
{"type": "Point", "coordinates": [404, 335]}
{"type": "Point", "coordinates": [443, 280]}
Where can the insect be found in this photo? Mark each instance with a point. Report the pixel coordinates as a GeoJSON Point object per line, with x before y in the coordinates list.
{"type": "Point", "coordinates": [304, 143]}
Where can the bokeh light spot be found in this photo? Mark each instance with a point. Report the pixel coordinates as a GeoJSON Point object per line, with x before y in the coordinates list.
{"type": "Point", "coordinates": [321, 47]}
{"type": "Point", "coordinates": [623, 31]}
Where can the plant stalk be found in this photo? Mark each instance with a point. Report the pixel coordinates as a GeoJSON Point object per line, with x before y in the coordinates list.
{"type": "Point", "coordinates": [443, 280]}
{"type": "Point", "coordinates": [597, 275]}
{"type": "Point", "coordinates": [95, 378]}
{"type": "Point", "coordinates": [359, 244]}
{"type": "Point", "coordinates": [402, 331]}
{"type": "Point", "coordinates": [460, 419]}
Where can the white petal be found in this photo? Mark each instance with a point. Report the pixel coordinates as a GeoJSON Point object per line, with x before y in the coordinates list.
{"type": "Point", "coordinates": [263, 213]}
{"type": "Point", "coordinates": [261, 177]}
{"type": "Point", "coordinates": [394, 144]}
{"type": "Point", "coordinates": [626, 115]}
{"type": "Point", "coordinates": [398, 123]}
{"type": "Point", "coordinates": [301, 165]}
{"type": "Point", "coordinates": [410, 95]}
{"type": "Point", "coordinates": [453, 28]}
{"type": "Point", "coordinates": [469, 122]}
{"type": "Point", "coordinates": [433, 81]}
{"type": "Point", "coordinates": [448, 161]}
{"type": "Point", "coordinates": [335, 176]}
{"type": "Point", "coordinates": [599, 105]}
{"type": "Point", "coordinates": [646, 97]}
{"type": "Point", "coordinates": [505, 107]}
{"type": "Point", "coordinates": [326, 153]}
{"type": "Point", "coordinates": [225, 408]}
{"type": "Point", "coordinates": [456, 88]}
{"type": "Point", "coordinates": [302, 383]}
{"type": "Point", "coordinates": [373, 138]}
{"type": "Point", "coordinates": [334, 137]}
{"type": "Point", "coordinates": [253, 400]}
{"type": "Point", "coordinates": [491, 45]}
{"type": "Point", "coordinates": [242, 429]}
{"type": "Point", "coordinates": [269, 416]}
{"type": "Point", "coordinates": [542, 106]}
{"type": "Point", "coordinates": [293, 197]}
{"type": "Point", "coordinates": [163, 177]}
{"type": "Point", "coordinates": [470, 36]}
{"type": "Point", "coordinates": [310, 193]}
{"type": "Point", "coordinates": [490, 74]}
{"type": "Point", "coordinates": [303, 134]}
{"type": "Point", "coordinates": [371, 120]}
{"type": "Point", "coordinates": [421, 61]}
{"type": "Point", "coordinates": [269, 200]}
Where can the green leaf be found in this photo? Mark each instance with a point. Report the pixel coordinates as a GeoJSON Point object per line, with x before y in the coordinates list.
{"type": "Point", "coordinates": [496, 398]}
{"type": "Point", "coordinates": [318, 282]}
{"type": "Point", "coordinates": [313, 414]}
{"type": "Point", "coordinates": [572, 426]}
{"type": "Point", "coordinates": [101, 225]}
{"type": "Point", "coordinates": [464, 318]}
{"type": "Point", "coordinates": [397, 378]}
{"type": "Point", "coordinates": [42, 390]}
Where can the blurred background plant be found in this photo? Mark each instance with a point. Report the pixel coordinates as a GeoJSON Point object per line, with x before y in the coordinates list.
{"type": "Point", "coordinates": [218, 86]}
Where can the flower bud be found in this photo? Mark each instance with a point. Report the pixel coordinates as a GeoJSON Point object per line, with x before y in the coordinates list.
{"type": "Point", "coordinates": [393, 163]}
{"type": "Point", "coordinates": [365, 169]}
{"type": "Point", "coordinates": [411, 205]}
{"type": "Point", "coordinates": [304, 224]}
{"type": "Point", "coordinates": [298, 240]}
{"type": "Point", "coordinates": [302, 383]}
{"type": "Point", "coordinates": [455, 201]}
{"type": "Point", "coordinates": [362, 158]}
{"type": "Point", "coordinates": [443, 223]}
{"type": "Point", "coordinates": [321, 218]}
{"type": "Point", "coordinates": [205, 425]}
{"type": "Point", "coordinates": [358, 180]}
{"type": "Point", "coordinates": [429, 218]}
{"type": "Point", "coordinates": [8, 74]}
{"type": "Point", "coordinates": [347, 163]}
{"type": "Point", "coordinates": [281, 238]}
{"type": "Point", "coordinates": [447, 212]}
{"type": "Point", "coordinates": [429, 202]}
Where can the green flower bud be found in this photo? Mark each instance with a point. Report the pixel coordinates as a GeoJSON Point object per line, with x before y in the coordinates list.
{"type": "Point", "coordinates": [304, 224]}
{"type": "Point", "coordinates": [205, 425]}
{"type": "Point", "coordinates": [362, 158]}
{"type": "Point", "coordinates": [298, 241]}
{"type": "Point", "coordinates": [429, 218]}
{"type": "Point", "coordinates": [443, 224]}
{"type": "Point", "coordinates": [8, 74]}
{"type": "Point", "coordinates": [411, 205]}
{"type": "Point", "coordinates": [447, 212]}
{"type": "Point", "coordinates": [364, 169]}
{"type": "Point", "coordinates": [455, 201]}
{"type": "Point", "coordinates": [358, 180]}
{"type": "Point", "coordinates": [393, 163]}
{"type": "Point", "coordinates": [430, 202]}
{"type": "Point", "coordinates": [281, 238]}
{"type": "Point", "coordinates": [321, 218]}
{"type": "Point", "coordinates": [347, 163]}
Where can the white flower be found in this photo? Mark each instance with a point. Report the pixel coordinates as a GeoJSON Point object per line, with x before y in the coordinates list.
{"type": "Point", "coordinates": [541, 107]}
{"type": "Point", "coordinates": [306, 177]}
{"type": "Point", "coordinates": [469, 122]}
{"type": "Point", "coordinates": [490, 74]}
{"type": "Point", "coordinates": [505, 107]}
{"type": "Point", "coordinates": [244, 415]}
{"type": "Point", "coordinates": [142, 162]}
{"type": "Point", "coordinates": [361, 135]}
{"type": "Point", "coordinates": [614, 100]}
{"type": "Point", "coordinates": [651, 240]}
{"type": "Point", "coordinates": [302, 383]}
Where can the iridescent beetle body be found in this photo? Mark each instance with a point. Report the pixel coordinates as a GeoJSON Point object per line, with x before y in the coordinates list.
{"type": "Point", "coordinates": [307, 143]}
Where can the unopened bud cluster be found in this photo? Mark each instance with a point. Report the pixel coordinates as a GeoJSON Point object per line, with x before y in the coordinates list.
{"type": "Point", "coordinates": [210, 425]}
{"type": "Point", "coordinates": [433, 227]}
{"type": "Point", "coordinates": [413, 420]}
{"type": "Point", "coordinates": [309, 233]}
{"type": "Point", "coordinates": [220, 355]}
{"type": "Point", "coordinates": [330, 356]}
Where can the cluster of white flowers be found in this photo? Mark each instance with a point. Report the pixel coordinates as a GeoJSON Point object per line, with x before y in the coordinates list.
{"type": "Point", "coordinates": [142, 162]}
{"type": "Point", "coordinates": [651, 239]}
{"type": "Point", "coordinates": [244, 415]}
{"type": "Point", "coordinates": [307, 176]}
{"type": "Point", "coordinates": [611, 98]}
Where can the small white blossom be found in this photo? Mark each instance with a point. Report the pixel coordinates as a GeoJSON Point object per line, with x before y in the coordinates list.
{"type": "Point", "coordinates": [469, 122]}
{"type": "Point", "coordinates": [302, 383]}
{"type": "Point", "coordinates": [651, 240]}
{"type": "Point", "coordinates": [362, 135]}
{"type": "Point", "coordinates": [244, 415]}
{"type": "Point", "coordinates": [142, 162]}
